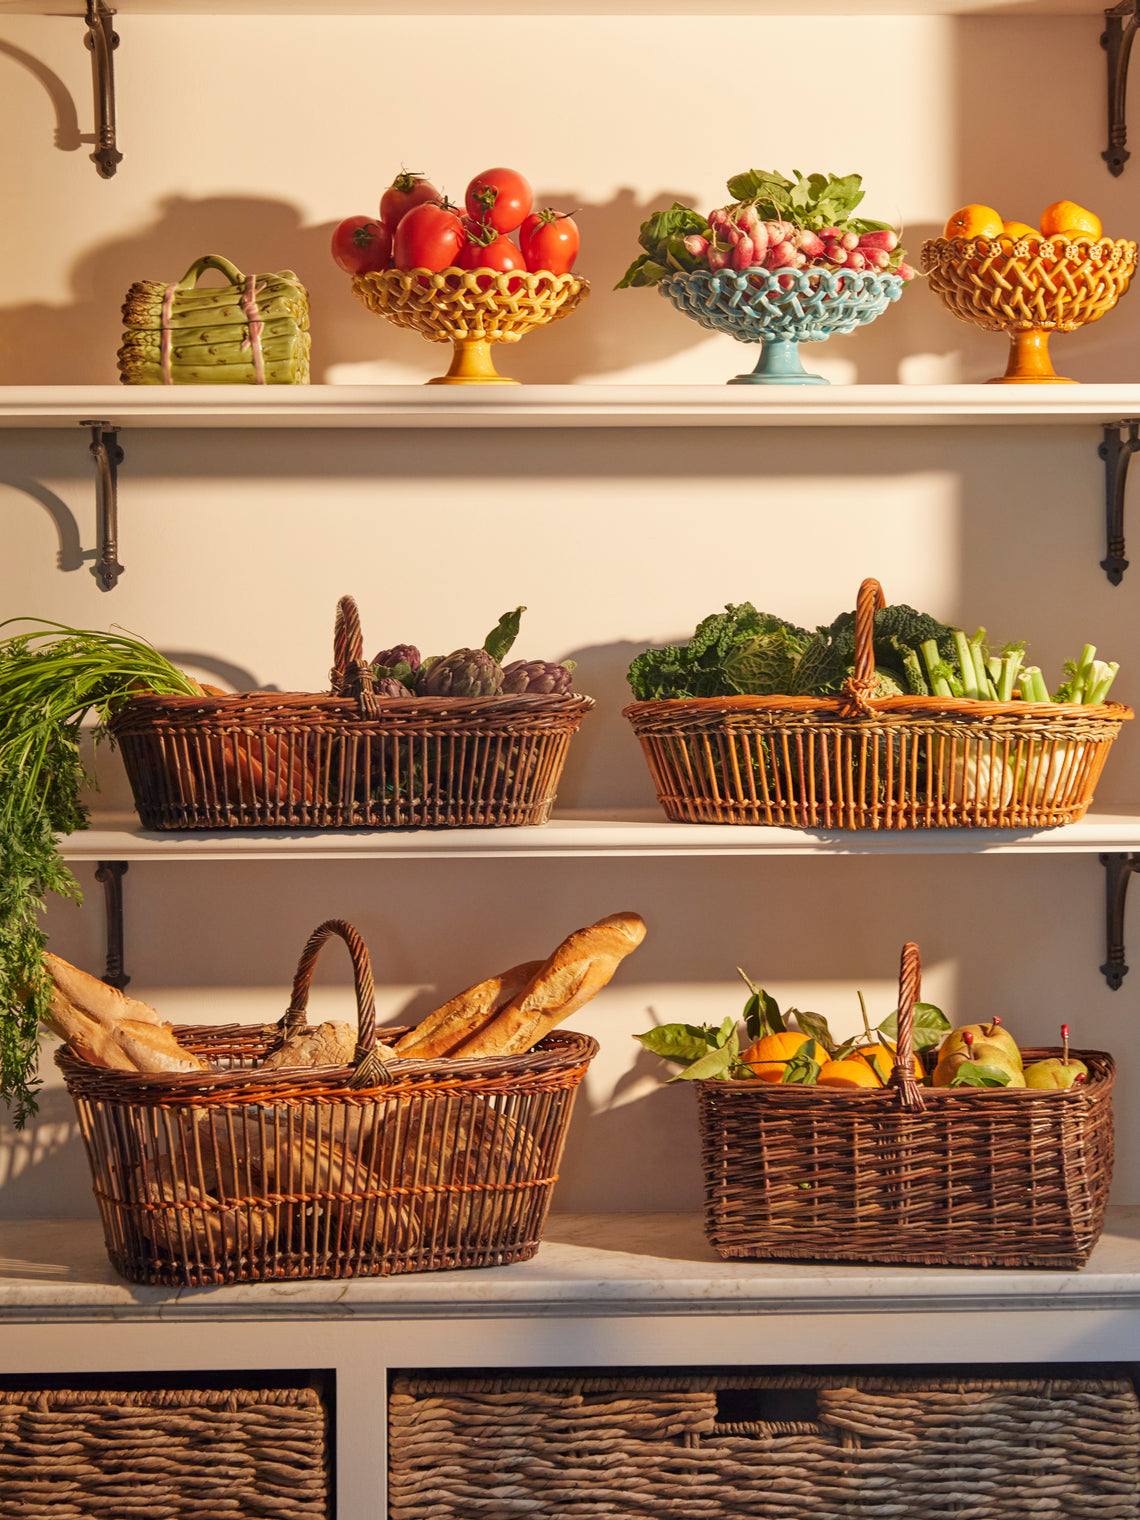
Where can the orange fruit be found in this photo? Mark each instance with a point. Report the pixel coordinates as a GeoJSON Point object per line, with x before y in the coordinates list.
{"type": "Point", "coordinates": [847, 1073]}
{"type": "Point", "coordinates": [881, 1058]}
{"type": "Point", "coordinates": [974, 221]}
{"type": "Point", "coordinates": [1017, 231]}
{"type": "Point", "coordinates": [769, 1056]}
{"type": "Point", "coordinates": [1067, 217]}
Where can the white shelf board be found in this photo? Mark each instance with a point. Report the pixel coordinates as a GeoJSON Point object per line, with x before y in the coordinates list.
{"type": "Point", "coordinates": [562, 406]}
{"type": "Point", "coordinates": [598, 1265]}
{"type": "Point", "coordinates": [627, 833]}
{"type": "Point", "coordinates": [562, 7]}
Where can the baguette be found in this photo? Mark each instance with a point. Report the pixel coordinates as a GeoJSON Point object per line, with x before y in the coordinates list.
{"type": "Point", "coordinates": [108, 1029]}
{"type": "Point", "coordinates": [580, 967]}
{"type": "Point", "coordinates": [100, 1001]}
{"type": "Point", "coordinates": [465, 1015]}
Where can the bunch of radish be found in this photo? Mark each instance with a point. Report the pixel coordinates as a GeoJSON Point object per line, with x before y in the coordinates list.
{"type": "Point", "coordinates": [742, 240]}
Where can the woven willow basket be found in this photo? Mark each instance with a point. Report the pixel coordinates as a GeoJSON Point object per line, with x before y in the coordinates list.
{"type": "Point", "coordinates": [470, 309]}
{"type": "Point", "coordinates": [346, 758]}
{"type": "Point", "coordinates": [175, 1453]}
{"type": "Point", "coordinates": [971, 1177]}
{"type": "Point", "coordinates": [854, 762]}
{"type": "Point", "coordinates": [240, 1175]}
{"type": "Point", "coordinates": [1029, 288]}
{"type": "Point", "coordinates": [724, 1445]}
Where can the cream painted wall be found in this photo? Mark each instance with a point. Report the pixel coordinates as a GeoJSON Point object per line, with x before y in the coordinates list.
{"type": "Point", "coordinates": [236, 547]}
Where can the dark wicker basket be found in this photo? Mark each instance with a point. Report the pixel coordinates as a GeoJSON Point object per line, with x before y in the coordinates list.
{"type": "Point", "coordinates": [175, 1452]}
{"type": "Point", "coordinates": [857, 762]}
{"type": "Point", "coordinates": [971, 1177]}
{"type": "Point", "coordinates": [363, 1170]}
{"type": "Point", "coordinates": [786, 1446]}
{"type": "Point", "coordinates": [346, 758]}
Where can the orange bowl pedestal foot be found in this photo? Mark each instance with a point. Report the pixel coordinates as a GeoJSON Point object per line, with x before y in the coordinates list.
{"type": "Point", "coordinates": [1029, 362]}
{"type": "Point", "coordinates": [472, 364]}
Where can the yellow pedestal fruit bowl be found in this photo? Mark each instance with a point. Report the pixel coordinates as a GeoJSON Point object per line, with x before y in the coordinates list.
{"type": "Point", "coordinates": [470, 309]}
{"type": "Point", "coordinates": [1029, 287]}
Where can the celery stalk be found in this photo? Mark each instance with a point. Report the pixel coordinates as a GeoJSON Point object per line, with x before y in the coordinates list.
{"type": "Point", "coordinates": [1097, 690]}
{"type": "Point", "coordinates": [966, 665]}
{"type": "Point", "coordinates": [1010, 665]}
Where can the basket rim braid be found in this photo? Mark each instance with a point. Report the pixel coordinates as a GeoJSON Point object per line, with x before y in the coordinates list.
{"type": "Point", "coordinates": [456, 304]}
{"type": "Point", "coordinates": [345, 758]}
{"type": "Point", "coordinates": [861, 761]}
{"type": "Point", "coordinates": [1033, 283]}
{"type": "Point", "coordinates": [218, 1176]}
{"type": "Point", "coordinates": [803, 305]}
{"type": "Point", "coordinates": [933, 1176]}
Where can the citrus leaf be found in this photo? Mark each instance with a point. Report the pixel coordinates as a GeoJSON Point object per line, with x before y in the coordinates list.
{"type": "Point", "coordinates": [930, 1024]}
{"type": "Point", "coordinates": [762, 1016]}
{"type": "Point", "coordinates": [678, 1042]}
{"type": "Point", "coordinates": [816, 1025]}
{"type": "Point", "coordinates": [714, 1063]}
{"type": "Point", "coordinates": [803, 1067]}
{"type": "Point", "coordinates": [975, 1074]}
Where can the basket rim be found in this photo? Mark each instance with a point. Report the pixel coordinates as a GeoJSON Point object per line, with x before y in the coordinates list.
{"type": "Point", "coordinates": [953, 707]}
{"type": "Point", "coordinates": [562, 1050]}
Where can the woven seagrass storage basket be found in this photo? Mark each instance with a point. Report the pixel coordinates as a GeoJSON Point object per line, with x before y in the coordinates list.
{"type": "Point", "coordinates": [969, 1177]}
{"type": "Point", "coordinates": [240, 1175]}
{"type": "Point", "coordinates": [346, 758]}
{"type": "Point", "coordinates": [775, 1446]}
{"type": "Point", "coordinates": [179, 1453]}
{"type": "Point", "coordinates": [860, 762]}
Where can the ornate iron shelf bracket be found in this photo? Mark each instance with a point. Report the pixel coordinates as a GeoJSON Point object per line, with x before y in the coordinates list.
{"type": "Point", "coordinates": [1118, 870]}
{"type": "Point", "coordinates": [108, 455]}
{"type": "Point", "coordinates": [102, 39]}
{"type": "Point", "coordinates": [110, 873]}
{"type": "Point", "coordinates": [1116, 451]}
{"type": "Point", "coordinates": [1120, 24]}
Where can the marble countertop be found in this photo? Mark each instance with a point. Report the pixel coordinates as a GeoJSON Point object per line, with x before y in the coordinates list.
{"type": "Point", "coordinates": [588, 1265]}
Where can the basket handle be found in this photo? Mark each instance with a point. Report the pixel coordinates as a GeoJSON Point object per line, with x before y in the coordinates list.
{"type": "Point", "coordinates": [859, 687]}
{"type": "Point", "coordinates": [210, 261]}
{"type": "Point", "coordinates": [368, 1069]}
{"type": "Point", "coordinates": [910, 985]}
{"type": "Point", "coordinates": [351, 675]}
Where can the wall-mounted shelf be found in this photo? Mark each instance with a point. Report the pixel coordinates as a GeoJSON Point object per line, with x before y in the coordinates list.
{"type": "Point", "coordinates": [626, 833]}
{"type": "Point", "coordinates": [564, 406]}
{"type": "Point", "coordinates": [562, 7]}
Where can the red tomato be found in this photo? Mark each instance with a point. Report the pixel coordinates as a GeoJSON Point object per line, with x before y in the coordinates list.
{"type": "Point", "coordinates": [499, 197]}
{"type": "Point", "coordinates": [500, 254]}
{"type": "Point", "coordinates": [361, 244]}
{"type": "Point", "coordinates": [405, 191]}
{"type": "Point", "coordinates": [549, 241]}
{"type": "Point", "coordinates": [428, 237]}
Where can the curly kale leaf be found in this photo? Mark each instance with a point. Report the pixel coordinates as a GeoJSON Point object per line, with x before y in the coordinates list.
{"type": "Point", "coordinates": [734, 652]}
{"type": "Point", "coordinates": [899, 633]}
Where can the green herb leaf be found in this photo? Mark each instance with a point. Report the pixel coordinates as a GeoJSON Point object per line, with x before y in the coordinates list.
{"type": "Point", "coordinates": [975, 1074]}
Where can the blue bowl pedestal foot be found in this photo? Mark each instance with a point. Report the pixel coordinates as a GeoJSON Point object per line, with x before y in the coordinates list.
{"type": "Point", "coordinates": [779, 364]}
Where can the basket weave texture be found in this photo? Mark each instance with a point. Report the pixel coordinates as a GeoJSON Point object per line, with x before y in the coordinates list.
{"type": "Point", "coordinates": [364, 1170]}
{"type": "Point", "coordinates": [858, 762]}
{"type": "Point", "coordinates": [1046, 285]}
{"type": "Point", "coordinates": [851, 1444]}
{"type": "Point", "coordinates": [458, 304]}
{"type": "Point", "coordinates": [347, 758]}
{"type": "Point", "coordinates": [67, 1454]}
{"type": "Point", "coordinates": [972, 1177]}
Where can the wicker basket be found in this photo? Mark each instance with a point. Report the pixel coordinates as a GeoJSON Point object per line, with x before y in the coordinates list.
{"type": "Point", "coordinates": [776, 1446]}
{"type": "Point", "coordinates": [365, 1170]}
{"type": "Point", "coordinates": [857, 762]}
{"type": "Point", "coordinates": [971, 1177]}
{"type": "Point", "coordinates": [346, 758]}
{"type": "Point", "coordinates": [179, 1453]}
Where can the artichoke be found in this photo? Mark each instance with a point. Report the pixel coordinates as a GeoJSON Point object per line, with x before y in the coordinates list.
{"type": "Point", "coordinates": [400, 654]}
{"type": "Point", "coordinates": [542, 676]}
{"type": "Point", "coordinates": [388, 686]}
{"type": "Point", "coordinates": [463, 673]}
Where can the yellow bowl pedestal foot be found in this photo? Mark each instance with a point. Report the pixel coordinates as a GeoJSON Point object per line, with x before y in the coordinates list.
{"type": "Point", "coordinates": [1029, 362]}
{"type": "Point", "coordinates": [471, 364]}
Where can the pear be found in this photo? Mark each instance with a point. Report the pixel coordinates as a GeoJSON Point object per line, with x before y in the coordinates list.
{"type": "Point", "coordinates": [1053, 1073]}
{"type": "Point", "coordinates": [1057, 1071]}
{"type": "Point", "coordinates": [982, 1054]}
{"type": "Point", "coordinates": [988, 1034]}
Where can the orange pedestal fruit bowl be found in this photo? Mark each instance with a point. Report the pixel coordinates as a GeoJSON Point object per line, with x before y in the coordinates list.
{"type": "Point", "coordinates": [470, 309]}
{"type": "Point", "coordinates": [1029, 287]}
